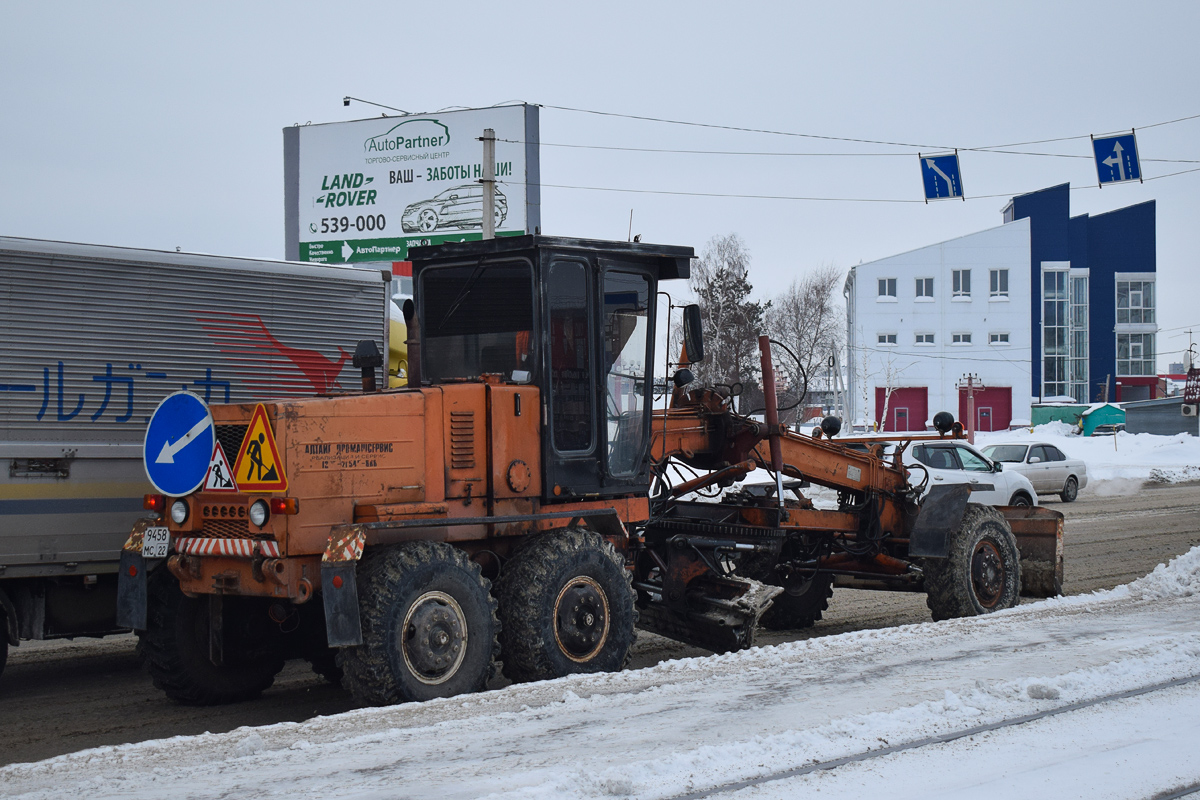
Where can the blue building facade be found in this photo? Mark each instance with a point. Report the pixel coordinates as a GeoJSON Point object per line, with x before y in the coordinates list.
{"type": "Point", "coordinates": [1093, 304]}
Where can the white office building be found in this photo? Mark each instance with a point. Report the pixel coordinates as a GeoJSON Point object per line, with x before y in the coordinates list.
{"type": "Point", "coordinates": [921, 324]}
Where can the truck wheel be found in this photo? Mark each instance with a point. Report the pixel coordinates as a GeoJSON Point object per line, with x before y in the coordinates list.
{"type": "Point", "coordinates": [567, 606]}
{"type": "Point", "coordinates": [1070, 491]}
{"type": "Point", "coordinates": [982, 572]}
{"type": "Point", "coordinates": [428, 622]}
{"type": "Point", "coordinates": [175, 647]}
{"type": "Point", "coordinates": [1020, 499]}
{"type": "Point", "coordinates": [801, 604]}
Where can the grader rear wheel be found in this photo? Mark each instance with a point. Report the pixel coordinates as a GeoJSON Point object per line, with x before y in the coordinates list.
{"type": "Point", "coordinates": [428, 622]}
{"type": "Point", "coordinates": [566, 605]}
{"type": "Point", "coordinates": [982, 572]}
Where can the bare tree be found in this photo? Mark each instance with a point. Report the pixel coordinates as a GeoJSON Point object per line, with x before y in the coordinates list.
{"type": "Point", "coordinates": [731, 321]}
{"type": "Point", "coordinates": [807, 319]}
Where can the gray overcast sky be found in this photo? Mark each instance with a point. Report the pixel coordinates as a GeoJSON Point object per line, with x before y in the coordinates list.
{"type": "Point", "coordinates": [155, 125]}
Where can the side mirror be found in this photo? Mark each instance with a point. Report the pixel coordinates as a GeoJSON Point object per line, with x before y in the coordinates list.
{"type": "Point", "coordinates": [997, 467]}
{"type": "Point", "coordinates": [1035, 459]}
{"type": "Point", "coordinates": [693, 334]}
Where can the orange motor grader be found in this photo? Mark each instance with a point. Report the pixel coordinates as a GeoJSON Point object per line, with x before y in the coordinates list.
{"type": "Point", "coordinates": [513, 504]}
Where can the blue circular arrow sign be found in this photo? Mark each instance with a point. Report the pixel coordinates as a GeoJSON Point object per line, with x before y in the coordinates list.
{"type": "Point", "coordinates": [179, 444]}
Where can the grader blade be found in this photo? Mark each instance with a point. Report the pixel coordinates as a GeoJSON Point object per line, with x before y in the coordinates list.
{"type": "Point", "coordinates": [1039, 535]}
{"type": "Point", "coordinates": [721, 618]}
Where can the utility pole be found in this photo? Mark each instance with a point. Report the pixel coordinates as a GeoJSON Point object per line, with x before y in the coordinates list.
{"type": "Point", "coordinates": [972, 384]}
{"type": "Point", "coordinates": [489, 183]}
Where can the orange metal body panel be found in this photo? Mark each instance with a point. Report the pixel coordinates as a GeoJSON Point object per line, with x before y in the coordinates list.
{"type": "Point", "coordinates": [464, 417]}
{"type": "Point", "coordinates": [284, 578]}
{"type": "Point", "coordinates": [515, 443]}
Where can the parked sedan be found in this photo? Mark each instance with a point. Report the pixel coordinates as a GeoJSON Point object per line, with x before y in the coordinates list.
{"type": "Point", "coordinates": [958, 462]}
{"type": "Point", "coordinates": [1048, 469]}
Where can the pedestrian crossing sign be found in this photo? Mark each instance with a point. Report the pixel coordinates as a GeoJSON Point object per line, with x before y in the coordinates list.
{"type": "Point", "coordinates": [259, 467]}
{"type": "Point", "coordinates": [220, 476]}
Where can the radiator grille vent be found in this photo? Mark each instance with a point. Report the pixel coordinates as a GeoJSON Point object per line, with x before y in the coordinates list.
{"type": "Point", "coordinates": [226, 529]}
{"type": "Point", "coordinates": [230, 437]}
{"type": "Point", "coordinates": [462, 439]}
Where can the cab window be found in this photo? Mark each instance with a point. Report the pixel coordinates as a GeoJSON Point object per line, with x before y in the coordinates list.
{"type": "Point", "coordinates": [570, 357]}
{"type": "Point", "coordinates": [477, 319]}
{"type": "Point", "coordinates": [626, 331]}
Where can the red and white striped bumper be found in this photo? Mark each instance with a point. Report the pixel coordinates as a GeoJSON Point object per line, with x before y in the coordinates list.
{"type": "Point", "coordinates": [244, 548]}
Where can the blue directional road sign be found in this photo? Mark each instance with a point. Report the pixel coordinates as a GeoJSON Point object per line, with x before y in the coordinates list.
{"type": "Point", "coordinates": [179, 444]}
{"type": "Point", "coordinates": [941, 177]}
{"type": "Point", "coordinates": [1117, 158]}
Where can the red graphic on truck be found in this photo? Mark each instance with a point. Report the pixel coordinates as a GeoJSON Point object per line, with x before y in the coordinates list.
{"type": "Point", "coordinates": [246, 336]}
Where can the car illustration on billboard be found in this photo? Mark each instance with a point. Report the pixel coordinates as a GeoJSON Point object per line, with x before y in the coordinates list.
{"type": "Point", "coordinates": [456, 207]}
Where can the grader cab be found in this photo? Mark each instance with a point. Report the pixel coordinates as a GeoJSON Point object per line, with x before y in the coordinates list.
{"type": "Point", "coordinates": [512, 504]}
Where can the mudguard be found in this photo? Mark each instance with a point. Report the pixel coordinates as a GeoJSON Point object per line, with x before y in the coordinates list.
{"type": "Point", "coordinates": [941, 514]}
{"type": "Point", "coordinates": [339, 589]}
{"type": "Point", "coordinates": [131, 591]}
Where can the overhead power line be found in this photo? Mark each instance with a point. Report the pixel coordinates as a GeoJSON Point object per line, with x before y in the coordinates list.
{"type": "Point", "coordinates": [854, 140]}
{"type": "Point", "coordinates": [811, 154]}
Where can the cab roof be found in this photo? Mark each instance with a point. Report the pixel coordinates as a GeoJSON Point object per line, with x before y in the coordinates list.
{"type": "Point", "coordinates": [671, 261]}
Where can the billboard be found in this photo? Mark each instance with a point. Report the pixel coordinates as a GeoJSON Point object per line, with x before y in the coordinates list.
{"type": "Point", "coordinates": [370, 189]}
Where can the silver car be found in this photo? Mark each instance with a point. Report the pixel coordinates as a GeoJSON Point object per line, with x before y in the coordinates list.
{"type": "Point", "coordinates": [1048, 468]}
{"type": "Point", "coordinates": [948, 462]}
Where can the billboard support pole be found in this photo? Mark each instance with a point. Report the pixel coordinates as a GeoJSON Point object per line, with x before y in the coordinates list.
{"type": "Point", "coordinates": [489, 183]}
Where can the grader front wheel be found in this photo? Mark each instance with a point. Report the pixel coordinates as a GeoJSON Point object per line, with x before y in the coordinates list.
{"type": "Point", "coordinates": [982, 572]}
{"type": "Point", "coordinates": [566, 605]}
{"type": "Point", "coordinates": [429, 626]}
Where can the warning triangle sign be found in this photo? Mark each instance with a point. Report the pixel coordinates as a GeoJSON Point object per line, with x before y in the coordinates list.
{"type": "Point", "coordinates": [220, 476]}
{"type": "Point", "coordinates": [259, 467]}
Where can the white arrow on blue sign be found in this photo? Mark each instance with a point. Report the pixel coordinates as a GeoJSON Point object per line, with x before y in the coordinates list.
{"type": "Point", "coordinates": [1117, 158]}
{"type": "Point", "coordinates": [179, 444]}
{"type": "Point", "coordinates": [941, 177]}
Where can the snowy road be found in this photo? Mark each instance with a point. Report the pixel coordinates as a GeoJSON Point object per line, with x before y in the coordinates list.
{"type": "Point", "coordinates": [703, 723]}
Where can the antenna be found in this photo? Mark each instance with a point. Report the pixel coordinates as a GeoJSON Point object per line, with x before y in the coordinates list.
{"type": "Point", "coordinates": [630, 237]}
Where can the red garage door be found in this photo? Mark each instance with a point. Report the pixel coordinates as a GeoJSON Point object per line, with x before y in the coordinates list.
{"type": "Point", "coordinates": [907, 408]}
{"type": "Point", "coordinates": [993, 408]}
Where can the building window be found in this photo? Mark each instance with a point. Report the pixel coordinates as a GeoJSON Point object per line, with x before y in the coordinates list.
{"type": "Point", "coordinates": [1055, 342]}
{"type": "Point", "coordinates": [1135, 354]}
{"type": "Point", "coordinates": [1135, 302]}
{"type": "Point", "coordinates": [961, 338]}
{"type": "Point", "coordinates": [999, 287]}
{"type": "Point", "coordinates": [962, 283]}
{"type": "Point", "coordinates": [924, 338]}
{"type": "Point", "coordinates": [887, 339]}
{"type": "Point", "coordinates": [1078, 375]}
{"type": "Point", "coordinates": [998, 338]}
{"type": "Point", "coordinates": [887, 287]}
{"type": "Point", "coordinates": [925, 287]}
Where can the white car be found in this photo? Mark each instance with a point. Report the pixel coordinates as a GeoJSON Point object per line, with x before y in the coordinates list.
{"type": "Point", "coordinates": [956, 461]}
{"type": "Point", "coordinates": [1047, 467]}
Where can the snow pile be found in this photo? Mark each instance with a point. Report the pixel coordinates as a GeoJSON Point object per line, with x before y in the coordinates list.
{"type": "Point", "coordinates": [1180, 577]}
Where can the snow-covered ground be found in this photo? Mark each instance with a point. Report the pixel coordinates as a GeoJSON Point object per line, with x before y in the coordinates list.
{"type": "Point", "coordinates": [688, 726]}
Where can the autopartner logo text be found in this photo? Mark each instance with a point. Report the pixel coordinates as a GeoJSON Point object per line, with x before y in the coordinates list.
{"type": "Point", "coordinates": [413, 134]}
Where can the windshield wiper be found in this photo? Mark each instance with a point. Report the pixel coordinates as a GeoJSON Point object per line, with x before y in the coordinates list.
{"type": "Point", "coordinates": [462, 294]}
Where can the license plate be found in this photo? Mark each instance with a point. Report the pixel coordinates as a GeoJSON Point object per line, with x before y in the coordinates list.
{"type": "Point", "coordinates": [156, 542]}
